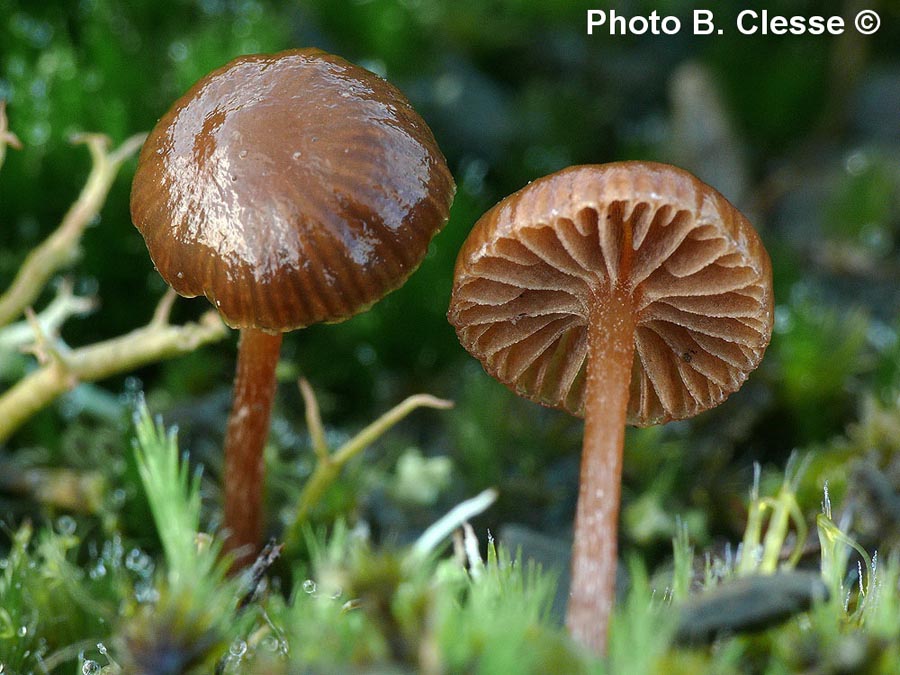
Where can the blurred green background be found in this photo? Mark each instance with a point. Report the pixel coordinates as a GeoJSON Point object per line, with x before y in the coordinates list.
{"type": "Point", "coordinates": [801, 132]}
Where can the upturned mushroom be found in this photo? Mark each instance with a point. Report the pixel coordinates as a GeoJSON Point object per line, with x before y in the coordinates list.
{"type": "Point", "coordinates": [289, 189]}
{"type": "Point", "coordinates": [626, 293]}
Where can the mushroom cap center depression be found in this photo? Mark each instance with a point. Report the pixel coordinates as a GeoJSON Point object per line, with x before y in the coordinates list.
{"type": "Point", "coordinates": [290, 189]}
{"type": "Point", "coordinates": [697, 275]}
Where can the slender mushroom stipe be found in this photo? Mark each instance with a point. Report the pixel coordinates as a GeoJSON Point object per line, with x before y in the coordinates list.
{"type": "Point", "coordinates": [624, 293]}
{"type": "Point", "coordinates": [289, 189]}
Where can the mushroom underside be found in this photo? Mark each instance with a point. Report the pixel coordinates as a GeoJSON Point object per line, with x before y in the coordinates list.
{"type": "Point", "coordinates": [700, 307]}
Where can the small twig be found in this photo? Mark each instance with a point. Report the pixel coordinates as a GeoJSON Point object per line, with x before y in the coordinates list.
{"type": "Point", "coordinates": [443, 528]}
{"type": "Point", "coordinates": [144, 345]}
{"type": "Point", "coordinates": [266, 558]}
{"type": "Point", "coordinates": [473, 555]}
{"type": "Point", "coordinates": [60, 247]}
{"type": "Point", "coordinates": [314, 421]}
{"type": "Point", "coordinates": [459, 549]}
{"type": "Point", "coordinates": [329, 466]}
{"type": "Point", "coordinates": [255, 575]}
{"type": "Point", "coordinates": [6, 136]}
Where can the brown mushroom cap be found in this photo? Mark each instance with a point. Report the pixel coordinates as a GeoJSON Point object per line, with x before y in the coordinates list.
{"type": "Point", "coordinates": [290, 189]}
{"type": "Point", "coordinates": [698, 275]}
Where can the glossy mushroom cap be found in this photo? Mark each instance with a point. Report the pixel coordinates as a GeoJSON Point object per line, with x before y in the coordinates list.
{"type": "Point", "coordinates": [290, 189]}
{"type": "Point", "coordinates": [699, 280]}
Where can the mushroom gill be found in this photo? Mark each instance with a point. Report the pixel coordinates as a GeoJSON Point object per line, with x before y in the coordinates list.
{"type": "Point", "coordinates": [701, 303]}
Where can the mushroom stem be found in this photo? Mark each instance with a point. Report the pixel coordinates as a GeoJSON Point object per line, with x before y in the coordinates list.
{"type": "Point", "coordinates": [245, 439]}
{"type": "Point", "coordinates": [610, 356]}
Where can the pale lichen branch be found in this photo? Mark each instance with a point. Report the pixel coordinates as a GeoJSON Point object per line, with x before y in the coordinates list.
{"type": "Point", "coordinates": [44, 348]}
{"type": "Point", "coordinates": [153, 342]}
{"type": "Point", "coordinates": [164, 308]}
{"type": "Point", "coordinates": [50, 319]}
{"type": "Point", "coordinates": [60, 248]}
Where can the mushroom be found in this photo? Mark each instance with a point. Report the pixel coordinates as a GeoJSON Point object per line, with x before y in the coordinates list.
{"type": "Point", "coordinates": [289, 189]}
{"type": "Point", "coordinates": [624, 293]}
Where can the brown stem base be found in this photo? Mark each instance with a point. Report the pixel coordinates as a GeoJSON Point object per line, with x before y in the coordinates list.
{"type": "Point", "coordinates": [245, 439]}
{"type": "Point", "coordinates": [611, 351]}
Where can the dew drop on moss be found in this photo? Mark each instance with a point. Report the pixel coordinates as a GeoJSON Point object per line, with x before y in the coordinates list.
{"type": "Point", "coordinates": [118, 498]}
{"type": "Point", "coordinates": [66, 525]}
